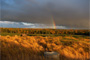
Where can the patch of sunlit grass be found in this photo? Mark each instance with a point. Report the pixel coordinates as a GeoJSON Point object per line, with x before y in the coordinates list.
{"type": "Point", "coordinates": [33, 47]}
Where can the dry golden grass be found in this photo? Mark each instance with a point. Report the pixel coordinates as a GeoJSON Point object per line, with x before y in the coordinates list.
{"type": "Point", "coordinates": [33, 47]}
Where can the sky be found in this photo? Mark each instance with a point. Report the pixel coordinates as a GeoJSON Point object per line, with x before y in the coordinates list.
{"type": "Point", "coordinates": [64, 13]}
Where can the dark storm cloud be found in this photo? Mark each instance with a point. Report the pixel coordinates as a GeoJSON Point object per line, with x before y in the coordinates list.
{"type": "Point", "coordinates": [72, 13]}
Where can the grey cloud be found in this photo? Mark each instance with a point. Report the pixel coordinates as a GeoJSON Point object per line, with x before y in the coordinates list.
{"type": "Point", "coordinates": [10, 24]}
{"type": "Point", "coordinates": [72, 13]}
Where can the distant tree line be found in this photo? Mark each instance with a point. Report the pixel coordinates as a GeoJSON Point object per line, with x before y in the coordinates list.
{"type": "Point", "coordinates": [44, 31]}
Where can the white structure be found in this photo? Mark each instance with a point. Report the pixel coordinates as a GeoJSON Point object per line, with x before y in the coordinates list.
{"type": "Point", "coordinates": [51, 55]}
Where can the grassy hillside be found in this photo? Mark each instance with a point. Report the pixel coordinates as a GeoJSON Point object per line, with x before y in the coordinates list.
{"type": "Point", "coordinates": [33, 47]}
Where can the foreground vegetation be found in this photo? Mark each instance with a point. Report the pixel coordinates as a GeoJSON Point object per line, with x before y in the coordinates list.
{"type": "Point", "coordinates": [33, 47]}
{"type": "Point", "coordinates": [30, 44]}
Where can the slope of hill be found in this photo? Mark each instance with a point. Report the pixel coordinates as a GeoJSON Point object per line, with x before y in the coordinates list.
{"type": "Point", "coordinates": [33, 47]}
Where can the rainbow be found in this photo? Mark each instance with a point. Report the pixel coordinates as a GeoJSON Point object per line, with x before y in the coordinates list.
{"type": "Point", "coordinates": [53, 23]}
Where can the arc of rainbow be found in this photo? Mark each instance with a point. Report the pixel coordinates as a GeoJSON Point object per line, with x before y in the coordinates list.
{"type": "Point", "coordinates": [53, 22]}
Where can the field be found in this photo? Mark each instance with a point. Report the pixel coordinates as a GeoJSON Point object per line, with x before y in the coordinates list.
{"type": "Point", "coordinates": [32, 46]}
